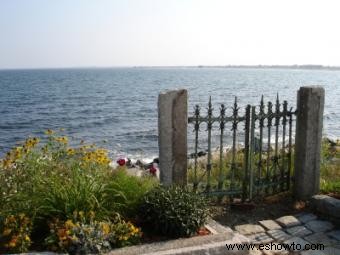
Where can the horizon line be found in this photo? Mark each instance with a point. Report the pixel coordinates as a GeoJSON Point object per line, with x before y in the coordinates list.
{"type": "Point", "coordinates": [293, 66]}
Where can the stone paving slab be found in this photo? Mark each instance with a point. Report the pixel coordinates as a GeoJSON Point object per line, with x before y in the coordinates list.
{"type": "Point", "coordinates": [319, 225]}
{"type": "Point", "coordinates": [298, 243]}
{"type": "Point", "coordinates": [331, 251]}
{"type": "Point", "coordinates": [260, 238]}
{"type": "Point", "coordinates": [249, 229]}
{"type": "Point", "coordinates": [279, 235]}
{"type": "Point", "coordinates": [311, 252]}
{"type": "Point", "coordinates": [298, 231]}
{"type": "Point", "coordinates": [306, 217]}
{"type": "Point", "coordinates": [270, 224]}
{"type": "Point", "coordinates": [327, 205]}
{"type": "Point", "coordinates": [255, 252]}
{"type": "Point", "coordinates": [288, 221]}
{"type": "Point", "coordinates": [320, 238]}
{"type": "Point", "coordinates": [276, 249]}
{"type": "Point", "coordinates": [335, 234]}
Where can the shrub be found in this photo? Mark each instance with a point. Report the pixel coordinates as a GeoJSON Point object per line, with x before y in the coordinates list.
{"type": "Point", "coordinates": [174, 211]}
{"type": "Point", "coordinates": [15, 233]}
{"type": "Point", "coordinates": [133, 189]}
{"type": "Point", "coordinates": [83, 234]}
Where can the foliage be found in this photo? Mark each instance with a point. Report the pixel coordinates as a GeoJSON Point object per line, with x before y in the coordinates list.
{"type": "Point", "coordinates": [83, 234]}
{"type": "Point", "coordinates": [123, 233]}
{"type": "Point", "coordinates": [15, 234]}
{"type": "Point", "coordinates": [173, 211]}
{"type": "Point", "coordinates": [330, 167]}
{"type": "Point", "coordinates": [133, 188]}
{"type": "Point", "coordinates": [51, 180]}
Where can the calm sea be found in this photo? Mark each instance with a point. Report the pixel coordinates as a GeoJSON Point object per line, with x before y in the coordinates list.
{"type": "Point", "coordinates": [117, 107]}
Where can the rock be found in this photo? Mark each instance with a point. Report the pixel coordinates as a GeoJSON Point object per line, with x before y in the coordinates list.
{"type": "Point", "coordinates": [288, 221]}
{"type": "Point", "coordinates": [249, 229]}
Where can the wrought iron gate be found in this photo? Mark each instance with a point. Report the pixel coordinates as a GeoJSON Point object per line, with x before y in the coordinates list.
{"type": "Point", "coordinates": [253, 167]}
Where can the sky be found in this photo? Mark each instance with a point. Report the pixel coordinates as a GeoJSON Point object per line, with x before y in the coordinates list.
{"type": "Point", "coordinates": [109, 33]}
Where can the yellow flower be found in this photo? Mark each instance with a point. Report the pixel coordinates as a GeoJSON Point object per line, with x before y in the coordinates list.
{"type": "Point", "coordinates": [81, 214]}
{"type": "Point", "coordinates": [49, 132]}
{"type": "Point", "coordinates": [62, 139]}
{"type": "Point", "coordinates": [13, 242]}
{"type": "Point", "coordinates": [21, 216]}
{"type": "Point", "coordinates": [91, 214]}
{"type": "Point", "coordinates": [27, 238]}
{"type": "Point", "coordinates": [71, 151]}
{"type": "Point", "coordinates": [7, 231]}
{"type": "Point", "coordinates": [106, 228]}
{"type": "Point", "coordinates": [69, 224]}
{"type": "Point", "coordinates": [6, 163]}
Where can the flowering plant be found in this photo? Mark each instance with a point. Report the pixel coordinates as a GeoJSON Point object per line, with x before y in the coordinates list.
{"type": "Point", "coordinates": [15, 233]}
{"type": "Point", "coordinates": [83, 234]}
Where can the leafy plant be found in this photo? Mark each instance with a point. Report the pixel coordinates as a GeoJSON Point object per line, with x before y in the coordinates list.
{"type": "Point", "coordinates": [15, 233]}
{"type": "Point", "coordinates": [173, 211]}
{"type": "Point", "coordinates": [133, 189]}
{"type": "Point", "coordinates": [84, 235]}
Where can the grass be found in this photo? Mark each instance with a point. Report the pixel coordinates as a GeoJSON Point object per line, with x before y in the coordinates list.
{"type": "Point", "coordinates": [329, 168]}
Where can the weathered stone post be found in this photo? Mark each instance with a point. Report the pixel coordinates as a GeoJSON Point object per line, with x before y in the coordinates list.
{"type": "Point", "coordinates": [172, 136]}
{"type": "Point", "coordinates": [310, 105]}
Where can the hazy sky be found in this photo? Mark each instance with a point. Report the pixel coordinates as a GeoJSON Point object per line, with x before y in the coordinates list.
{"type": "Point", "coordinates": [78, 33]}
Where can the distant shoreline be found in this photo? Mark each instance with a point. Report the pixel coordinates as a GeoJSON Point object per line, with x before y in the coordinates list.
{"type": "Point", "coordinates": [295, 67]}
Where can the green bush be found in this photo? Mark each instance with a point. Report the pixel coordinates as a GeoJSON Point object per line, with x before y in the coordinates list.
{"type": "Point", "coordinates": [173, 211]}
{"type": "Point", "coordinates": [133, 189]}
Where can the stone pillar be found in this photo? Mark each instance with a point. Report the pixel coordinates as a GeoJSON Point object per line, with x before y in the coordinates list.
{"type": "Point", "coordinates": [310, 104]}
{"type": "Point", "coordinates": [172, 136]}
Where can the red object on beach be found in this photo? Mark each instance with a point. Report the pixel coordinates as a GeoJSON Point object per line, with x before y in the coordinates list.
{"type": "Point", "coordinates": [121, 162]}
{"type": "Point", "coordinates": [153, 170]}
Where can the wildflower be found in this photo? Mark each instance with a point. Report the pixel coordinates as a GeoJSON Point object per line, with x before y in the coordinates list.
{"type": "Point", "coordinates": [81, 214]}
{"type": "Point", "coordinates": [13, 242]}
{"type": "Point", "coordinates": [91, 215]}
{"type": "Point", "coordinates": [69, 224]}
{"type": "Point", "coordinates": [70, 151]}
{"type": "Point", "coordinates": [121, 162]}
{"type": "Point", "coordinates": [153, 170]}
{"type": "Point", "coordinates": [6, 231]}
{"type": "Point", "coordinates": [106, 228]}
{"type": "Point", "coordinates": [62, 139]}
{"type": "Point", "coordinates": [27, 238]}
{"type": "Point", "coordinates": [49, 132]}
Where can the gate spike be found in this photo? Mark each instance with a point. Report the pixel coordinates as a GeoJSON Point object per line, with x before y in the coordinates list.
{"type": "Point", "coordinates": [261, 105]}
